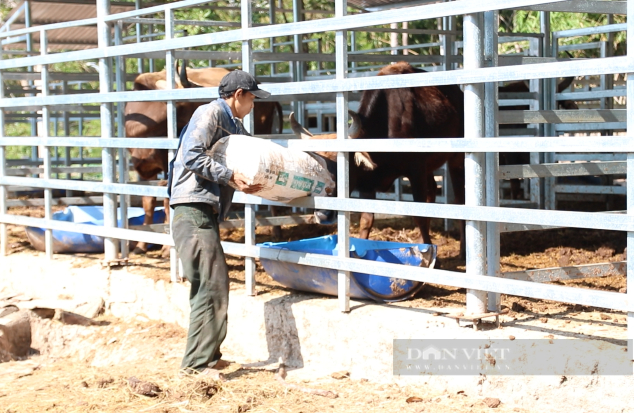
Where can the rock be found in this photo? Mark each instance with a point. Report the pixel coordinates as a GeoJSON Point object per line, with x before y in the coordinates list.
{"type": "Point", "coordinates": [15, 336]}
{"type": "Point", "coordinates": [9, 309]}
{"type": "Point", "coordinates": [339, 375]}
{"type": "Point", "coordinates": [414, 399]}
{"type": "Point", "coordinates": [67, 317]}
{"type": "Point", "coordinates": [492, 402]}
{"type": "Point", "coordinates": [605, 317]}
{"type": "Point", "coordinates": [104, 382]}
{"type": "Point", "coordinates": [44, 312]}
{"type": "Point", "coordinates": [90, 309]}
{"type": "Point", "coordinates": [45, 308]}
{"type": "Point", "coordinates": [143, 388]}
{"type": "Point", "coordinates": [68, 305]}
{"type": "Point", "coordinates": [517, 307]}
{"type": "Point", "coordinates": [543, 320]}
{"type": "Point", "coordinates": [564, 260]}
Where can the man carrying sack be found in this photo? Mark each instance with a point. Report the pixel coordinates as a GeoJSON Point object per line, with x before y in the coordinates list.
{"type": "Point", "coordinates": [200, 194]}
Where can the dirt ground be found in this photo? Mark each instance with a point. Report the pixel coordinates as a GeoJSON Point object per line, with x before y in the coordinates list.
{"type": "Point", "coordinates": [103, 379]}
{"type": "Point", "coordinates": [66, 382]}
{"type": "Point", "coordinates": [519, 251]}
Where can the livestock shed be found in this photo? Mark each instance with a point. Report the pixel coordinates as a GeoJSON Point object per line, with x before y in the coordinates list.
{"type": "Point", "coordinates": [72, 64]}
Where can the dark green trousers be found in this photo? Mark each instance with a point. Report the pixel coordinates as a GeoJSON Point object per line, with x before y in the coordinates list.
{"type": "Point", "coordinates": [195, 231]}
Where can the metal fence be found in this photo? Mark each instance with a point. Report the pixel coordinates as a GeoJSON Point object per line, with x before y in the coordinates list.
{"type": "Point", "coordinates": [479, 76]}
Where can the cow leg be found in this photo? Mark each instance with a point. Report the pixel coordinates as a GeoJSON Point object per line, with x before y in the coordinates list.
{"type": "Point", "coordinates": [149, 204]}
{"type": "Point", "coordinates": [456, 172]}
{"type": "Point", "coordinates": [367, 218]}
{"type": "Point", "coordinates": [516, 189]}
{"type": "Point", "coordinates": [423, 191]}
{"type": "Point", "coordinates": [165, 251]}
{"type": "Point", "coordinates": [365, 224]}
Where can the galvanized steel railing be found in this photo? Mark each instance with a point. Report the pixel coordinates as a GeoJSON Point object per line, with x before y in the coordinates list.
{"type": "Point", "coordinates": [483, 215]}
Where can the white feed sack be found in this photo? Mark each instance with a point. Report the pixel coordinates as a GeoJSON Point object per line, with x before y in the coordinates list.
{"type": "Point", "coordinates": [285, 173]}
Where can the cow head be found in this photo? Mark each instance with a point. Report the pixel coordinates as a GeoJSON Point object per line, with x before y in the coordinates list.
{"type": "Point", "coordinates": [148, 162]}
{"type": "Point", "coordinates": [362, 160]}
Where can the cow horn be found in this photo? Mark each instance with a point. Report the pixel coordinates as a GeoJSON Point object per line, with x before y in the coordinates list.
{"type": "Point", "coordinates": [183, 75]}
{"type": "Point", "coordinates": [299, 130]}
{"type": "Point", "coordinates": [565, 83]}
{"type": "Point", "coordinates": [355, 129]}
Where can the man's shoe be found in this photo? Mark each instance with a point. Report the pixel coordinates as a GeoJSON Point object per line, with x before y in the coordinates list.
{"type": "Point", "coordinates": [213, 374]}
{"type": "Point", "coordinates": [206, 373]}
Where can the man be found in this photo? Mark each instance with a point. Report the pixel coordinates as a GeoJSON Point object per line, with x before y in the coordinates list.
{"type": "Point", "coordinates": [200, 196]}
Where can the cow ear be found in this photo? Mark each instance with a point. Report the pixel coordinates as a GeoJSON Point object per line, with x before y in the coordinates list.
{"type": "Point", "coordinates": [354, 131]}
{"type": "Point", "coordinates": [364, 160]}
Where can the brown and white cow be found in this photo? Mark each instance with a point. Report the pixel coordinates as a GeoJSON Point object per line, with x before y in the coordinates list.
{"type": "Point", "coordinates": [149, 119]}
{"type": "Point", "coordinates": [414, 112]}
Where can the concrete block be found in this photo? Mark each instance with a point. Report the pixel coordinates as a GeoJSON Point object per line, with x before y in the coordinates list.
{"type": "Point", "coordinates": [15, 336]}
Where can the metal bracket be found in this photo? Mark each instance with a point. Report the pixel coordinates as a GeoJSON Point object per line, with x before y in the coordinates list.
{"type": "Point", "coordinates": [117, 262]}
{"type": "Point", "coordinates": [476, 319]}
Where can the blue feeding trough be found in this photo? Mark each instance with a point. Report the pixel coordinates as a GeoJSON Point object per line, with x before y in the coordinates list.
{"type": "Point", "coordinates": [363, 286]}
{"type": "Point", "coordinates": [65, 241]}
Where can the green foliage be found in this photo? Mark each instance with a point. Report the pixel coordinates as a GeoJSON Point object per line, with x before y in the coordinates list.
{"type": "Point", "coordinates": [323, 42]}
{"type": "Point", "coordinates": [521, 21]}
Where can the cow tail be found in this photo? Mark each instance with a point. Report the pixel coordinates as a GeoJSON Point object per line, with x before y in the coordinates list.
{"type": "Point", "coordinates": [278, 107]}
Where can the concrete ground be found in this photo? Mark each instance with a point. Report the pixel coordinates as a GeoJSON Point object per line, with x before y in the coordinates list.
{"type": "Point", "coordinates": [315, 339]}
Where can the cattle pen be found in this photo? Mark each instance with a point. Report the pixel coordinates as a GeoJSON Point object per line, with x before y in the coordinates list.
{"type": "Point", "coordinates": [478, 69]}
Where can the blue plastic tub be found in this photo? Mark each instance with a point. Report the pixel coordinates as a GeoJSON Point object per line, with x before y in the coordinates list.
{"type": "Point", "coordinates": [68, 242]}
{"type": "Point", "coordinates": [362, 286]}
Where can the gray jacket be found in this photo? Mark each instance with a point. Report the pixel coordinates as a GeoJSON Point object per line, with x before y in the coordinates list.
{"type": "Point", "coordinates": [197, 177]}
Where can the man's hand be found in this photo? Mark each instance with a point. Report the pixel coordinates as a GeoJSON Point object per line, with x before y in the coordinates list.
{"type": "Point", "coordinates": [239, 182]}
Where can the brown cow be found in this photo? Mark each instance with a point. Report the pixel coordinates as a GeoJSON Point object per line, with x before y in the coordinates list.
{"type": "Point", "coordinates": [149, 119]}
{"type": "Point", "coordinates": [522, 158]}
{"type": "Point", "coordinates": [415, 112]}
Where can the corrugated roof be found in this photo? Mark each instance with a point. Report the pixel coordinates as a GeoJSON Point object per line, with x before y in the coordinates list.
{"type": "Point", "coordinates": [56, 11]}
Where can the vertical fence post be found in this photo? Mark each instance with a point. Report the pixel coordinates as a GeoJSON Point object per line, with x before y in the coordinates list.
{"type": "Point", "coordinates": [249, 210]}
{"type": "Point", "coordinates": [272, 39]}
{"type": "Point", "coordinates": [46, 124]}
{"type": "Point", "coordinates": [298, 66]}
{"type": "Point", "coordinates": [548, 102]}
{"type": "Point", "coordinates": [137, 6]}
{"type": "Point", "coordinates": [29, 49]}
{"type": "Point", "coordinates": [447, 41]}
{"type": "Point", "coordinates": [150, 32]}
{"type": "Point", "coordinates": [120, 73]}
{"type": "Point", "coordinates": [107, 154]}
{"type": "Point", "coordinates": [343, 184]}
{"type": "Point", "coordinates": [4, 239]}
{"type": "Point", "coordinates": [66, 127]}
{"type": "Point", "coordinates": [630, 174]}
{"type": "Point", "coordinates": [353, 48]}
{"type": "Point", "coordinates": [448, 47]}
{"type": "Point", "coordinates": [172, 127]}
{"type": "Point", "coordinates": [492, 158]}
{"type": "Point", "coordinates": [474, 162]}
{"type": "Point", "coordinates": [607, 81]}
